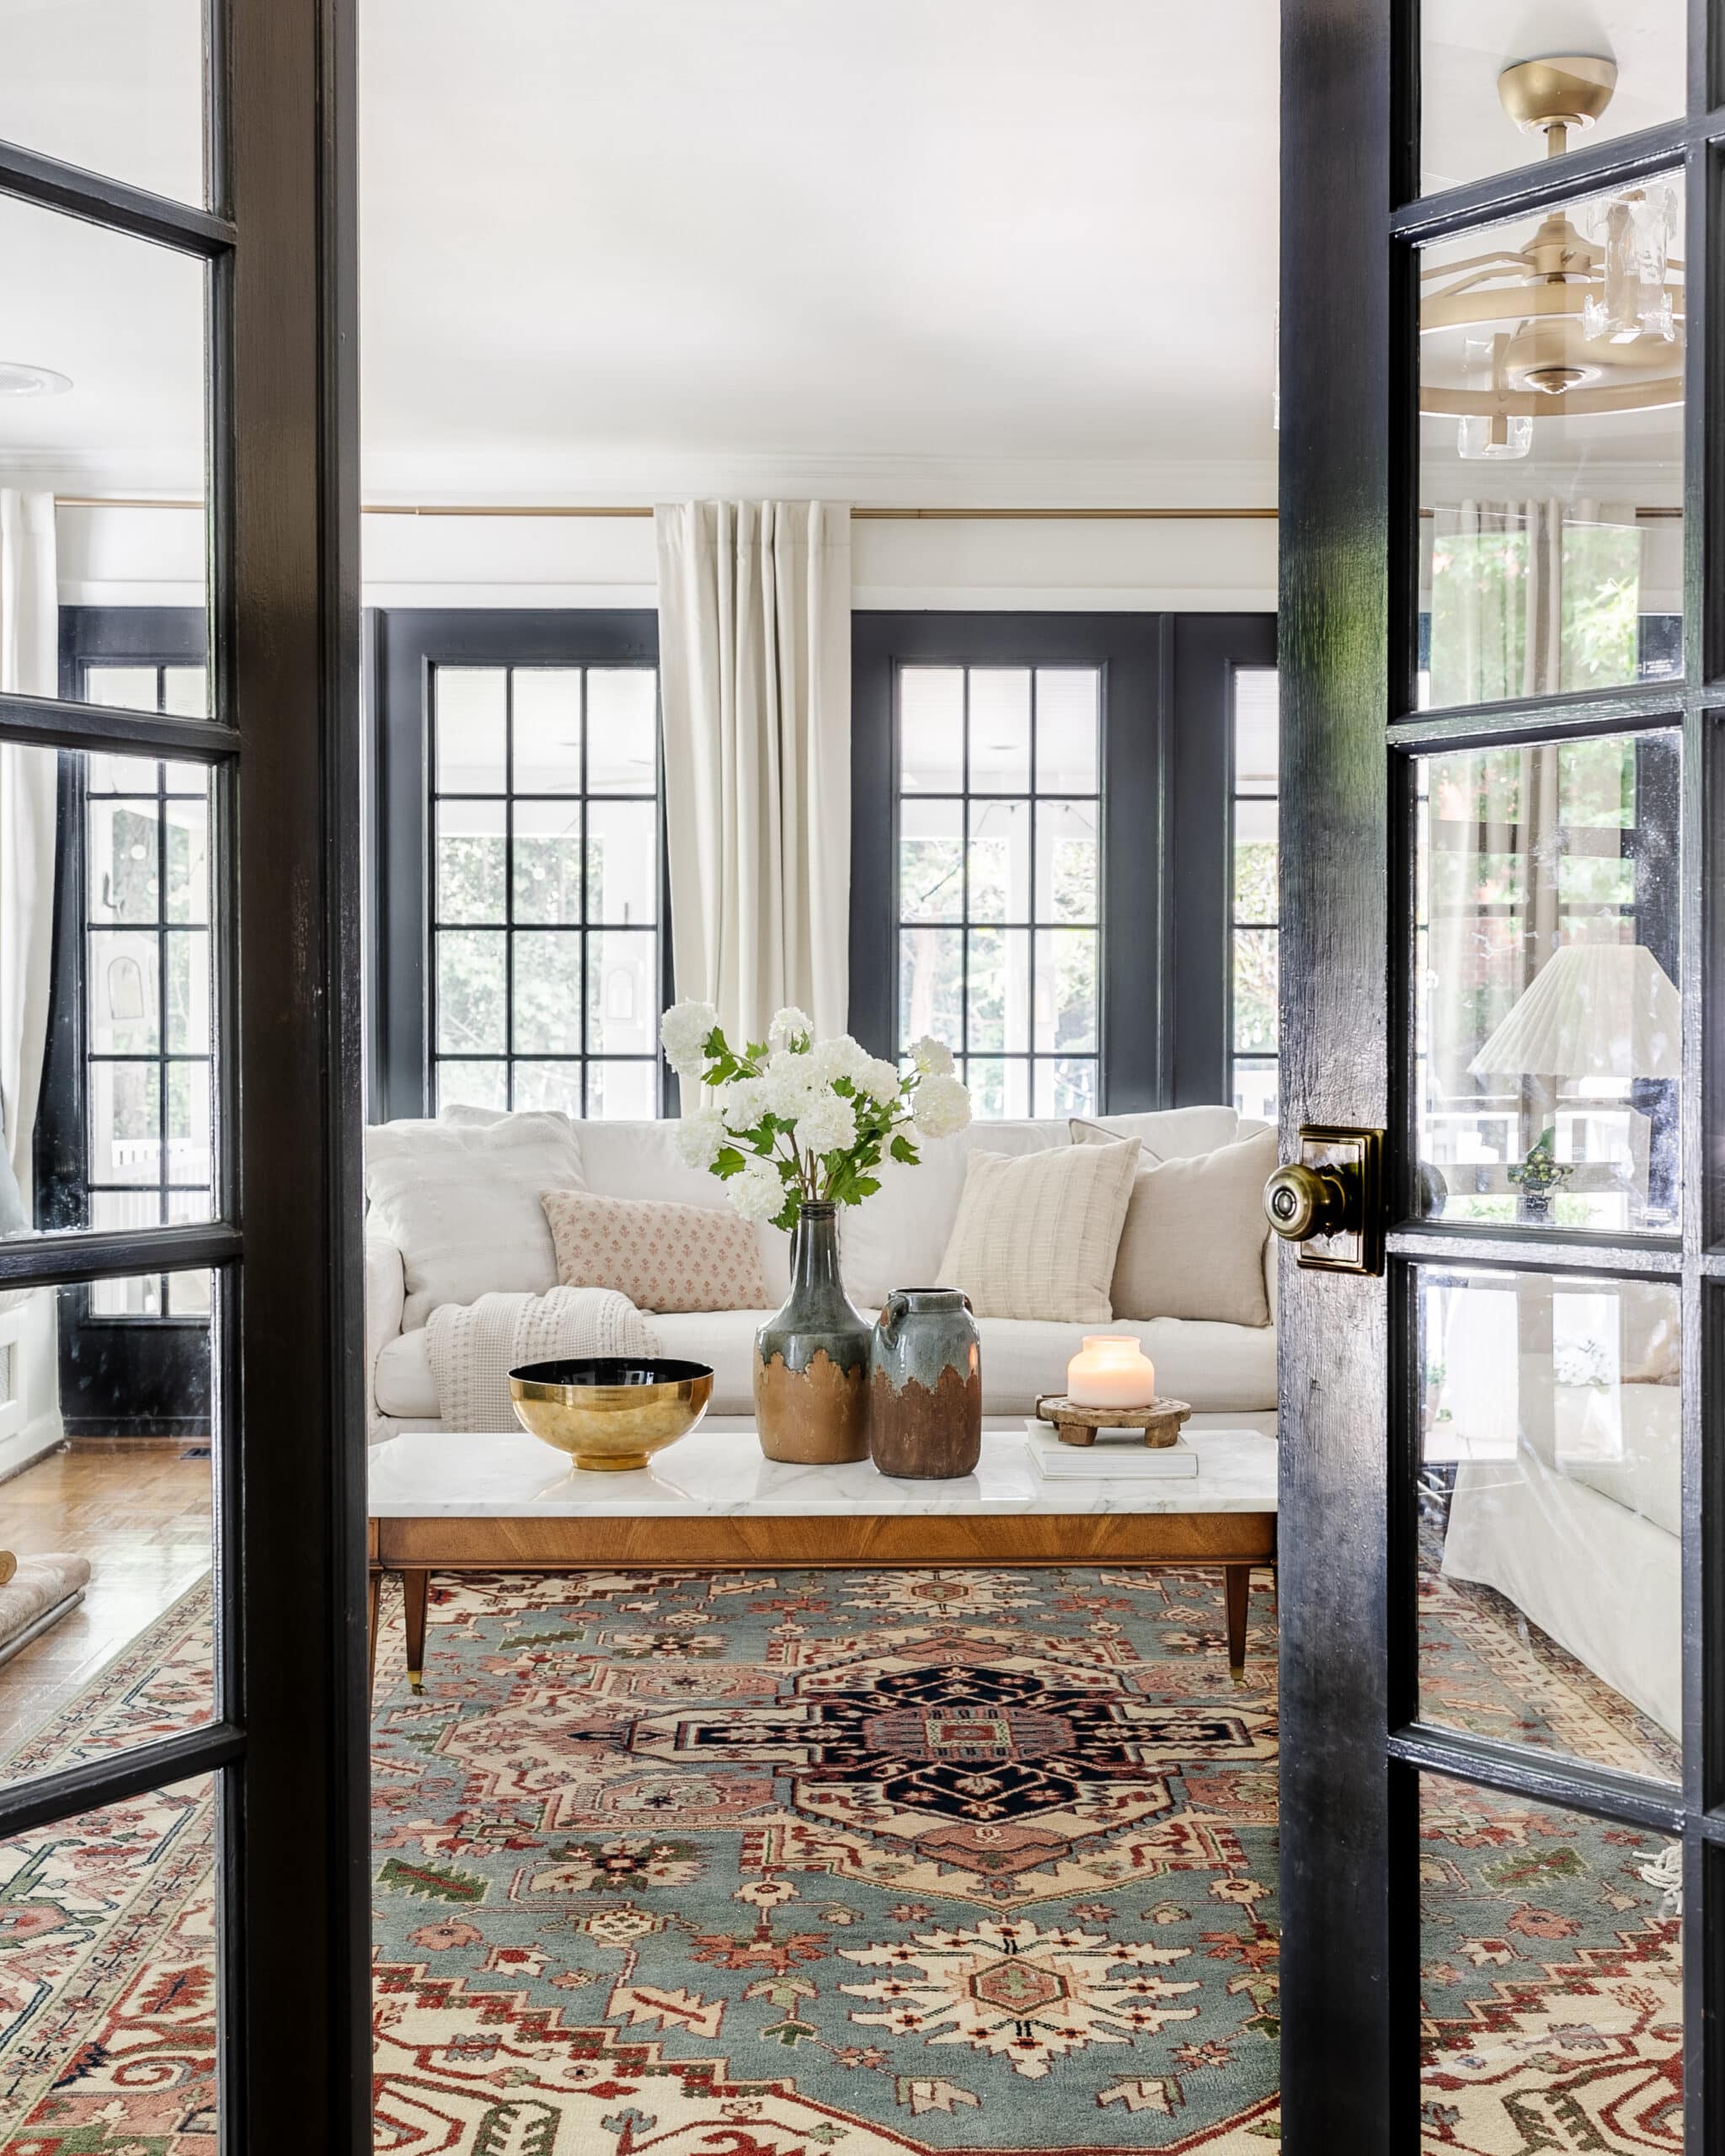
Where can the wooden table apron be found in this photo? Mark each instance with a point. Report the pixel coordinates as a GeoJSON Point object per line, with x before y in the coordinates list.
{"type": "Point", "coordinates": [416, 1548]}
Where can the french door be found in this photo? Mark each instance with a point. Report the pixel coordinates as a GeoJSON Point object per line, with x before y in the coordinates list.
{"type": "Point", "coordinates": [183, 1840]}
{"type": "Point", "coordinates": [1501, 664]}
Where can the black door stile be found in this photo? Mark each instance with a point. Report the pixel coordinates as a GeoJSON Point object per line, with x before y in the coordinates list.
{"type": "Point", "coordinates": [1355, 1750]}
{"type": "Point", "coordinates": [286, 1742]}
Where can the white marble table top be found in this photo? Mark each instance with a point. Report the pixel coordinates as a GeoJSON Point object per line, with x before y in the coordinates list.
{"type": "Point", "coordinates": [472, 1475]}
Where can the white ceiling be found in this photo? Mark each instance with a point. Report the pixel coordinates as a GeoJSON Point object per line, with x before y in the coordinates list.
{"type": "Point", "coordinates": [615, 248]}
{"type": "Point", "coordinates": [924, 250]}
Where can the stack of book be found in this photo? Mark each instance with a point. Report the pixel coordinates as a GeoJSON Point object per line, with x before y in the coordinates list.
{"type": "Point", "coordinates": [1117, 1456]}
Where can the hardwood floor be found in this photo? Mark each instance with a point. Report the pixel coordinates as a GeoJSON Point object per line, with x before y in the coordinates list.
{"type": "Point", "coordinates": [139, 1509]}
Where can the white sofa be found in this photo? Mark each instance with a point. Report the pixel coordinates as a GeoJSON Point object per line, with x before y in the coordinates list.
{"type": "Point", "coordinates": [1568, 1495]}
{"type": "Point", "coordinates": [896, 1239]}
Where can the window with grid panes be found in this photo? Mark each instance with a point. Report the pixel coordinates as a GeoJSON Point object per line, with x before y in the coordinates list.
{"type": "Point", "coordinates": [546, 887]}
{"type": "Point", "coordinates": [999, 925]}
{"type": "Point", "coordinates": [1254, 911]}
{"type": "Point", "coordinates": [147, 1068]}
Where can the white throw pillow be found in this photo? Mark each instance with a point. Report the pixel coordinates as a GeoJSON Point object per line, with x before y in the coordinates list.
{"type": "Point", "coordinates": [1171, 1133]}
{"type": "Point", "coordinates": [897, 1238]}
{"type": "Point", "coordinates": [1193, 1242]}
{"type": "Point", "coordinates": [460, 1200]}
{"type": "Point", "coordinates": [1036, 1236]}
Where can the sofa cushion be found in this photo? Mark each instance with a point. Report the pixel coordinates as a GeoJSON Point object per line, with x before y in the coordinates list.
{"type": "Point", "coordinates": [1036, 1238]}
{"type": "Point", "coordinates": [661, 1255]}
{"type": "Point", "coordinates": [1193, 1243]}
{"type": "Point", "coordinates": [1216, 1369]}
{"type": "Point", "coordinates": [1626, 1441]}
{"type": "Point", "coordinates": [897, 1238]}
{"type": "Point", "coordinates": [460, 1202]}
{"type": "Point", "coordinates": [1171, 1133]}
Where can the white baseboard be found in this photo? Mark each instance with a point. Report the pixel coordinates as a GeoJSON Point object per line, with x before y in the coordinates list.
{"type": "Point", "coordinates": [41, 1436]}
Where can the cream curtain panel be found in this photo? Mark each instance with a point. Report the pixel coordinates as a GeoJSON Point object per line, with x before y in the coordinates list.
{"type": "Point", "coordinates": [754, 674]}
{"type": "Point", "coordinates": [29, 665]}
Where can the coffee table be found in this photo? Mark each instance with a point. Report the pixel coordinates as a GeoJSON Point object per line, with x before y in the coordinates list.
{"type": "Point", "coordinates": [448, 1502]}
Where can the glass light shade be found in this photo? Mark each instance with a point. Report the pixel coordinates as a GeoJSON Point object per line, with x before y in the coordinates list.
{"type": "Point", "coordinates": [1111, 1370]}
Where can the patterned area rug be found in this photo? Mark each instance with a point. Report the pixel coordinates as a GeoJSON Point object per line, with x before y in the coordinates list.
{"type": "Point", "coordinates": [756, 1866]}
{"type": "Point", "coordinates": [982, 1860]}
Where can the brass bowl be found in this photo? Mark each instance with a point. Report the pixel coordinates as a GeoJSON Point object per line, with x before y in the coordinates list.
{"type": "Point", "coordinates": [610, 1412]}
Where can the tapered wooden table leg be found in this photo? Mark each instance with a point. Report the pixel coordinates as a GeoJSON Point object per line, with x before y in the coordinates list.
{"type": "Point", "coordinates": [1237, 1584]}
{"type": "Point", "coordinates": [414, 1585]}
{"type": "Point", "coordinates": [373, 1600]}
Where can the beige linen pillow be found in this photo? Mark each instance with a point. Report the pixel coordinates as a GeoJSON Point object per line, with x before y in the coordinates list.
{"type": "Point", "coordinates": [1036, 1234]}
{"type": "Point", "coordinates": [663, 1256]}
{"type": "Point", "coordinates": [1193, 1243]}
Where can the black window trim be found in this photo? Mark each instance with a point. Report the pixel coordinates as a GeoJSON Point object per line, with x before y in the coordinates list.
{"type": "Point", "coordinates": [1166, 773]}
{"type": "Point", "coordinates": [403, 645]}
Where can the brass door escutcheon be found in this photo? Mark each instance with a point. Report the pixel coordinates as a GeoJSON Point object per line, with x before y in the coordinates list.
{"type": "Point", "coordinates": [1330, 1200]}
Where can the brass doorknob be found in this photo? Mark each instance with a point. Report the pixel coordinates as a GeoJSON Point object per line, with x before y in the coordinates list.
{"type": "Point", "coordinates": [1302, 1202]}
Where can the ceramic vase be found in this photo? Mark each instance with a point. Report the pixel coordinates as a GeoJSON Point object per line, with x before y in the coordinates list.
{"type": "Point", "coordinates": [812, 1356]}
{"type": "Point", "coordinates": [925, 1415]}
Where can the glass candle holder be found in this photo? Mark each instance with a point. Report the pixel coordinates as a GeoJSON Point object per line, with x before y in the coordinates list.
{"type": "Point", "coordinates": [1111, 1370]}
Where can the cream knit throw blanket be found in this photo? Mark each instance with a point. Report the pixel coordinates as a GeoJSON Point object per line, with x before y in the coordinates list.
{"type": "Point", "coordinates": [474, 1346]}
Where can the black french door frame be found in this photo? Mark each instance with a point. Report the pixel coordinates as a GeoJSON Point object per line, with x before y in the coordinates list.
{"type": "Point", "coordinates": [1167, 714]}
{"type": "Point", "coordinates": [1353, 1747]}
{"type": "Point", "coordinates": [288, 1743]}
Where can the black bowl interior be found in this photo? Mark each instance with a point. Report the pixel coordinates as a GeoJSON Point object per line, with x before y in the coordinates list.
{"type": "Point", "coordinates": [611, 1369]}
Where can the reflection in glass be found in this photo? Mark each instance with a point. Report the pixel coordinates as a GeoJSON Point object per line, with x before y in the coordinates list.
{"type": "Point", "coordinates": [1551, 1512]}
{"type": "Point", "coordinates": [1552, 451]}
{"type": "Point", "coordinates": [623, 729]}
{"type": "Point", "coordinates": [1255, 900]}
{"type": "Point", "coordinates": [471, 727]}
{"type": "Point", "coordinates": [114, 1543]}
{"type": "Point", "coordinates": [1481, 114]}
{"type": "Point", "coordinates": [1548, 1023]}
{"type": "Point", "coordinates": [931, 860]}
{"type": "Point", "coordinates": [547, 719]}
{"type": "Point", "coordinates": [1551, 1977]}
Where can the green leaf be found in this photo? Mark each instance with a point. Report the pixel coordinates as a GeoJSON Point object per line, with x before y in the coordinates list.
{"type": "Point", "coordinates": [903, 1149]}
{"type": "Point", "coordinates": [786, 1216]}
{"type": "Point", "coordinates": [864, 1187]}
{"type": "Point", "coordinates": [727, 1162]}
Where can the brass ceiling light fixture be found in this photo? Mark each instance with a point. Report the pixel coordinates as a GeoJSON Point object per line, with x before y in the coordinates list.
{"type": "Point", "coordinates": [1577, 322]}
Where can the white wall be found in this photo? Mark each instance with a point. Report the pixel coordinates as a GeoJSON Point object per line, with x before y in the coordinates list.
{"type": "Point", "coordinates": [140, 557]}
{"type": "Point", "coordinates": [31, 1422]}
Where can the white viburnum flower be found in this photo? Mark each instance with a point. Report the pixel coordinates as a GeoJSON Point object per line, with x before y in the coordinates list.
{"type": "Point", "coordinates": [683, 1032]}
{"type": "Point", "coordinates": [700, 1136]}
{"type": "Point", "coordinates": [787, 1086]}
{"type": "Point", "coordinates": [790, 1027]}
{"type": "Point", "coordinates": [932, 1058]}
{"type": "Point", "coordinates": [840, 1057]}
{"type": "Point", "coordinates": [941, 1105]}
{"type": "Point", "coordinates": [879, 1079]}
{"type": "Point", "coordinates": [742, 1103]}
{"type": "Point", "coordinates": [828, 1124]}
{"type": "Point", "coordinates": [756, 1190]}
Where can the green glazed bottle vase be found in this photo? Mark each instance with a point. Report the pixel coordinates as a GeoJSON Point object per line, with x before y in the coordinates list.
{"type": "Point", "coordinates": [812, 1356]}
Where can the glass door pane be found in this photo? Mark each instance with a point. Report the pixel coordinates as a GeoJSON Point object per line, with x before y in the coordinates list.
{"type": "Point", "coordinates": [1548, 1024]}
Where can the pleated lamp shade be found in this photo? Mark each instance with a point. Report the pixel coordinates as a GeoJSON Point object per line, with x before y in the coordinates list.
{"type": "Point", "coordinates": [1594, 1011]}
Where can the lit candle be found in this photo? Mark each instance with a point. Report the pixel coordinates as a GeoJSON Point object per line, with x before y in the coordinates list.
{"type": "Point", "coordinates": [1112, 1370]}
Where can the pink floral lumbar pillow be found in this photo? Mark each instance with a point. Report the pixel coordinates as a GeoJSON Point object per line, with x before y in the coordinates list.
{"type": "Point", "coordinates": [663, 1257]}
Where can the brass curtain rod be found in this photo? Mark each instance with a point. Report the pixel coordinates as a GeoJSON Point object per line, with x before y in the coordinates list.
{"type": "Point", "coordinates": [578, 510]}
{"type": "Point", "coordinates": [863, 513]}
